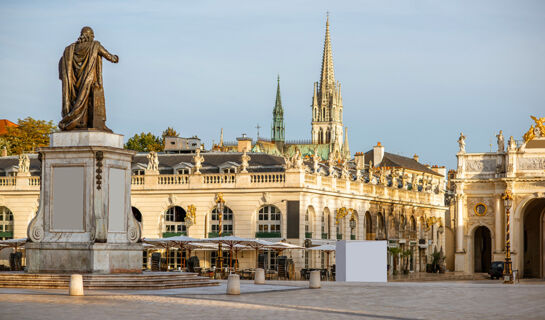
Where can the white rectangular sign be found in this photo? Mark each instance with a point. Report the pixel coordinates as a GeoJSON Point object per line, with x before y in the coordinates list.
{"type": "Point", "coordinates": [361, 261]}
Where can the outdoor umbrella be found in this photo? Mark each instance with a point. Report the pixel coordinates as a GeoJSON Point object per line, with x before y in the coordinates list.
{"type": "Point", "coordinates": [230, 241]}
{"type": "Point", "coordinates": [327, 248]}
{"type": "Point", "coordinates": [182, 242]}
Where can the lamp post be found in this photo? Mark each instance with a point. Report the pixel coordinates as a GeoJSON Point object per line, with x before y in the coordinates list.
{"type": "Point", "coordinates": [352, 226]}
{"type": "Point", "coordinates": [508, 267]}
{"type": "Point", "coordinates": [219, 210]}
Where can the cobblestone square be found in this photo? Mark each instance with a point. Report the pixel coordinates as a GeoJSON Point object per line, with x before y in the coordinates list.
{"type": "Point", "coordinates": [290, 300]}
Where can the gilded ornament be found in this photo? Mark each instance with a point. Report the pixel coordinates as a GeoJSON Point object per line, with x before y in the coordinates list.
{"type": "Point", "coordinates": [191, 216]}
{"type": "Point", "coordinates": [535, 131]}
{"type": "Point", "coordinates": [480, 209]}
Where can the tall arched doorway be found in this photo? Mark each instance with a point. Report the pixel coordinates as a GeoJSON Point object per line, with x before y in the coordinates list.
{"type": "Point", "coordinates": [482, 249]}
{"type": "Point", "coordinates": [533, 239]}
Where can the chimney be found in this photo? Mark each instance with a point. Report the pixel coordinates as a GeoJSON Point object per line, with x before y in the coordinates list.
{"type": "Point", "coordinates": [359, 158]}
{"type": "Point", "coordinates": [244, 143]}
{"type": "Point", "coordinates": [416, 157]}
{"type": "Point", "coordinates": [378, 154]}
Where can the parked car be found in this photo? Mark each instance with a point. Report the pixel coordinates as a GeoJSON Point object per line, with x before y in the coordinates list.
{"type": "Point", "coordinates": [496, 269]}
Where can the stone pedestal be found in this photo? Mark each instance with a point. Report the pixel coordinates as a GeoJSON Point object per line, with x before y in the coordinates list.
{"type": "Point", "coordinates": [85, 223]}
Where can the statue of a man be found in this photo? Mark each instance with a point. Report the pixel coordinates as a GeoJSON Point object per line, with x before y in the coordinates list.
{"type": "Point", "coordinates": [80, 70]}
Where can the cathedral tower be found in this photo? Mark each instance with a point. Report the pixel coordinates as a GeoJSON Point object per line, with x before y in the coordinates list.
{"type": "Point", "coordinates": [327, 103]}
{"type": "Point", "coordinates": [278, 129]}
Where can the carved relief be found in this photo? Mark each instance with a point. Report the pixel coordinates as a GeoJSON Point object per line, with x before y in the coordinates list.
{"type": "Point", "coordinates": [531, 163]}
{"type": "Point", "coordinates": [481, 165]}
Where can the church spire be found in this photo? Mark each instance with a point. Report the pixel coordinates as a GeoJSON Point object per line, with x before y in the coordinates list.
{"type": "Point", "coordinates": [327, 78]}
{"type": "Point", "coordinates": [277, 129]}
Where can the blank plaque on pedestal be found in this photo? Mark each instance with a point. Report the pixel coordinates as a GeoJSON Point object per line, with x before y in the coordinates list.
{"type": "Point", "coordinates": [116, 200]}
{"type": "Point", "coordinates": [67, 199]}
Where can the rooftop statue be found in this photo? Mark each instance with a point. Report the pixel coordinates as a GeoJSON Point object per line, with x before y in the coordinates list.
{"type": "Point", "coordinates": [462, 143]}
{"type": "Point", "coordinates": [80, 70]}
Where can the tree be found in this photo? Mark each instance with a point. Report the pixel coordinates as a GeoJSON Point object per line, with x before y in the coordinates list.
{"type": "Point", "coordinates": [395, 251]}
{"type": "Point", "coordinates": [169, 132]}
{"type": "Point", "coordinates": [144, 142]}
{"type": "Point", "coordinates": [29, 135]}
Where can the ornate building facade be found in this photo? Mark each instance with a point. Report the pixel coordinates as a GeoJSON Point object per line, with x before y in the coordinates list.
{"type": "Point", "coordinates": [479, 211]}
{"type": "Point", "coordinates": [265, 197]}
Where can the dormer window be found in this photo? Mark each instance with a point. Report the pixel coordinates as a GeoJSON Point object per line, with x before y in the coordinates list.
{"type": "Point", "coordinates": [229, 170]}
{"type": "Point", "coordinates": [183, 171]}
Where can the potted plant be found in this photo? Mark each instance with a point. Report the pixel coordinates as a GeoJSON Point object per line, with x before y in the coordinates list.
{"type": "Point", "coordinates": [406, 254]}
{"type": "Point", "coordinates": [395, 251]}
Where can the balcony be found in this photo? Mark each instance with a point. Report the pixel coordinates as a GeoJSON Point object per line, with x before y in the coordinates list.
{"type": "Point", "coordinates": [268, 235]}
{"type": "Point", "coordinates": [215, 234]}
{"type": "Point", "coordinates": [173, 234]}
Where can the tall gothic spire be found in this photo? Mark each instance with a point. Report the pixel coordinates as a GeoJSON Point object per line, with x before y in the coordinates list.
{"type": "Point", "coordinates": [278, 129]}
{"type": "Point", "coordinates": [328, 73]}
{"type": "Point", "coordinates": [278, 104]}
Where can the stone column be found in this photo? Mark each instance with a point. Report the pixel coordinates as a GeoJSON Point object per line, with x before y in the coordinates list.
{"type": "Point", "coordinates": [498, 219]}
{"type": "Point", "coordinates": [459, 223]}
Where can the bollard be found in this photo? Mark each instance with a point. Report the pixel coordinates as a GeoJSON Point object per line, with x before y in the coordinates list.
{"type": "Point", "coordinates": [314, 282]}
{"type": "Point", "coordinates": [76, 285]}
{"type": "Point", "coordinates": [233, 284]}
{"type": "Point", "coordinates": [259, 276]}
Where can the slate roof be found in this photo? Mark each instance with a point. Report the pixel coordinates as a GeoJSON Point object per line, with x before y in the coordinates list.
{"type": "Point", "coordinates": [395, 160]}
{"type": "Point", "coordinates": [260, 162]}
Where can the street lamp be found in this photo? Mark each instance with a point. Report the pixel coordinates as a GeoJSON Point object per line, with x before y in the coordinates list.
{"type": "Point", "coordinates": [352, 227]}
{"type": "Point", "coordinates": [219, 211]}
{"type": "Point", "coordinates": [508, 267]}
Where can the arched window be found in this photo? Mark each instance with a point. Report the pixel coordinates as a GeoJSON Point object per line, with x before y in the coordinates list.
{"type": "Point", "coordinates": [268, 222]}
{"type": "Point", "coordinates": [6, 224]}
{"type": "Point", "coordinates": [412, 228]}
{"type": "Point", "coordinates": [137, 214]}
{"type": "Point", "coordinates": [325, 224]}
{"type": "Point", "coordinates": [368, 226]}
{"type": "Point", "coordinates": [174, 222]}
{"type": "Point", "coordinates": [309, 223]}
{"type": "Point", "coordinates": [227, 223]}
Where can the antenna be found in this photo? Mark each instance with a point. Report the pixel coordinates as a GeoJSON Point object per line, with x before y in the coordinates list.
{"type": "Point", "coordinates": [258, 127]}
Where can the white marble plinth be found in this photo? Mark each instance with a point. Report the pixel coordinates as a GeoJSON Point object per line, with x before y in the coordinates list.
{"type": "Point", "coordinates": [85, 222]}
{"type": "Point", "coordinates": [84, 258]}
{"type": "Point", "coordinates": [85, 139]}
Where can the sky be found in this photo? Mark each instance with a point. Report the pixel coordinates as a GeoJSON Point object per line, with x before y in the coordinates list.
{"type": "Point", "coordinates": [414, 74]}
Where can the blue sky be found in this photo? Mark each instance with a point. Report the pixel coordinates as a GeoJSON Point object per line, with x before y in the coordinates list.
{"type": "Point", "coordinates": [413, 73]}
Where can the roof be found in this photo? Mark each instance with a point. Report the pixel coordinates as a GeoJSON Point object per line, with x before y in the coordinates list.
{"type": "Point", "coordinates": [13, 161]}
{"type": "Point", "coordinates": [213, 161]}
{"type": "Point", "coordinates": [5, 124]}
{"type": "Point", "coordinates": [395, 160]}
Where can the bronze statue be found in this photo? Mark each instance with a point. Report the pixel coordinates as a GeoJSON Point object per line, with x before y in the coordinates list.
{"type": "Point", "coordinates": [80, 70]}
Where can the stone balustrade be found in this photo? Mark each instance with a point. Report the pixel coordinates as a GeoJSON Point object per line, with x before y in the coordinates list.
{"type": "Point", "coordinates": [257, 180]}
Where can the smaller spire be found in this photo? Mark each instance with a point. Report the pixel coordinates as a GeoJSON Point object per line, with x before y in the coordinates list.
{"type": "Point", "coordinates": [221, 138]}
{"type": "Point", "coordinates": [346, 148]}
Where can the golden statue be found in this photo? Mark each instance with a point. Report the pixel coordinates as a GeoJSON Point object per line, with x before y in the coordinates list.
{"type": "Point", "coordinates": [535, 131]}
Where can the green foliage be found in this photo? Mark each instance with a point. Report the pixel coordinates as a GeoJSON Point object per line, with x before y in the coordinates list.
{"type": "Point", "coordinates": [169, 132]}
{"type": "Point", "coordinates": [144, 142]}
{"type": "Point", "coordinates": [29, 135]}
